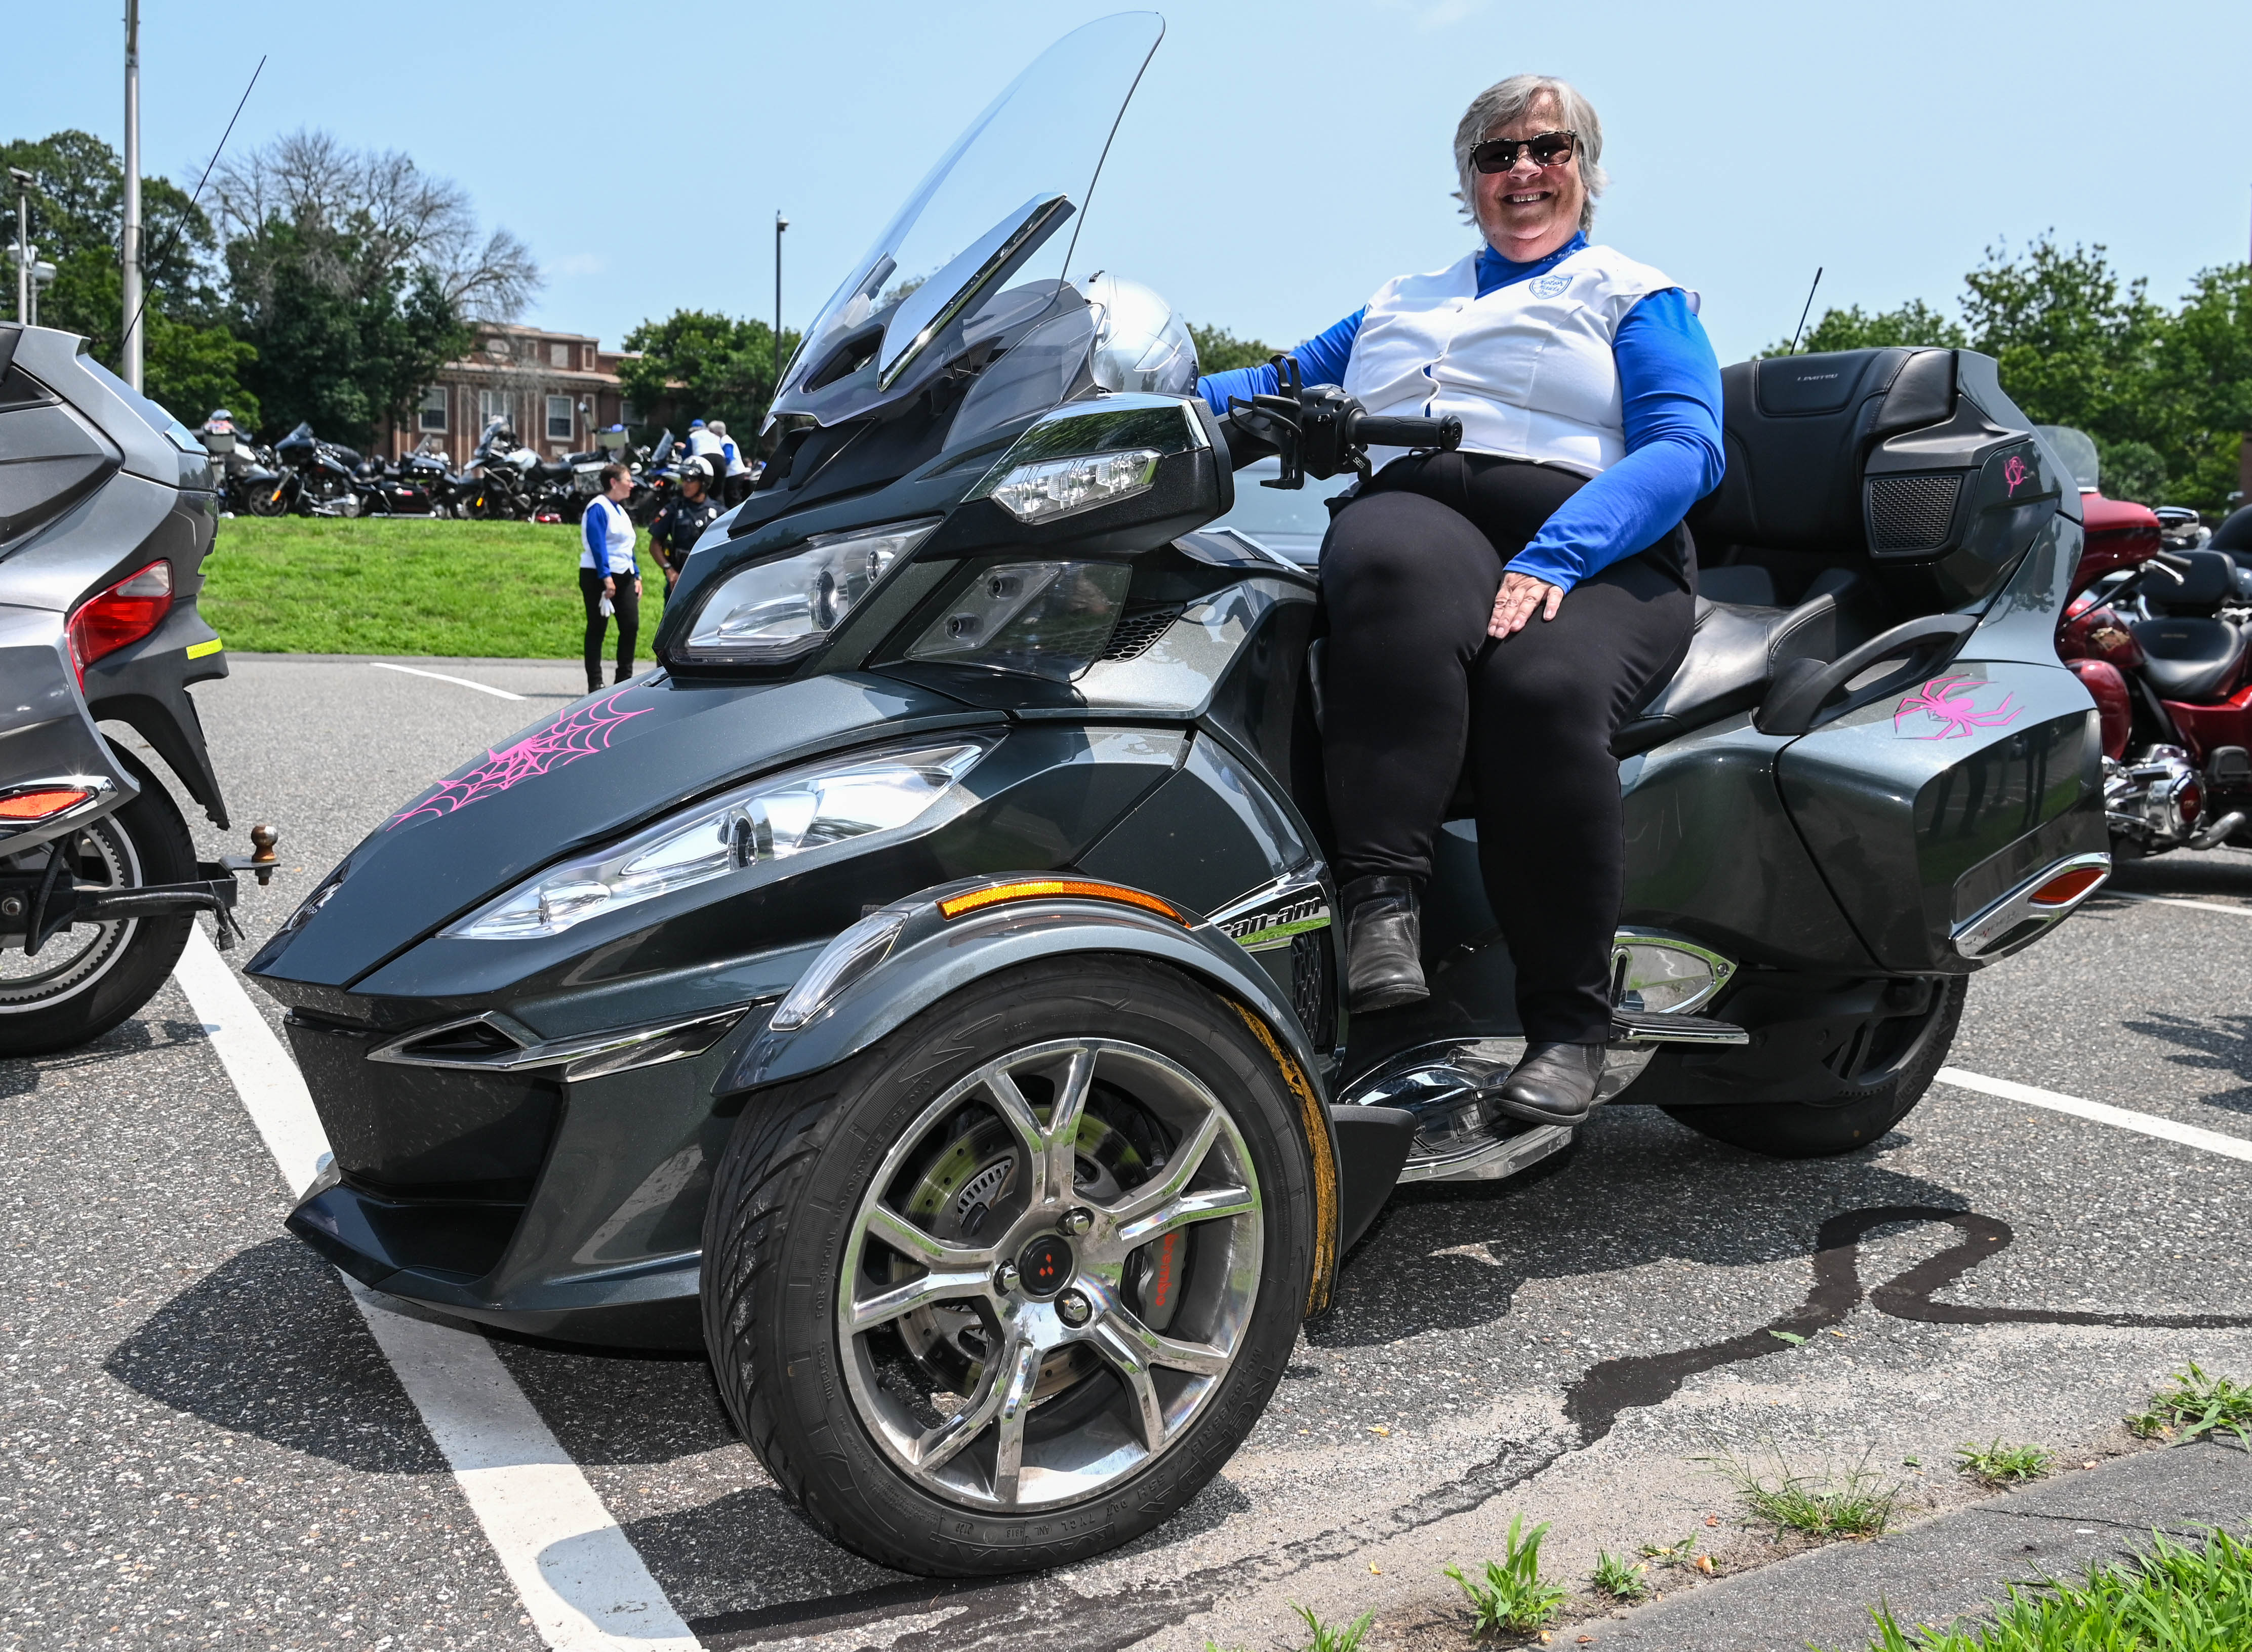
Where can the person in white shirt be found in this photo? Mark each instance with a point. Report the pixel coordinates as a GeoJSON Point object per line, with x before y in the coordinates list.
{"type": "Point", "coordinates": [609, 574]}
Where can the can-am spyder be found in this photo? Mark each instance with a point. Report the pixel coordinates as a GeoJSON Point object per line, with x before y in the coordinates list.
{"type": "Point", "coordinates": [922, 992]}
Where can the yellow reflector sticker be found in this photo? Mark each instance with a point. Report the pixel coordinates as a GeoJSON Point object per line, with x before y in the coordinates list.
{"type": "Point", "coordinates": [196, 651]}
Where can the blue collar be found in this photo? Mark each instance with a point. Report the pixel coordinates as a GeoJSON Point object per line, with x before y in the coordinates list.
{"type": "Point", "coordinates": [1495, 272]}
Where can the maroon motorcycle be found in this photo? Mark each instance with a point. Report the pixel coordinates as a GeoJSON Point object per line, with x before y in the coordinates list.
{"type": "Point", "coordinates": [2167, 652]}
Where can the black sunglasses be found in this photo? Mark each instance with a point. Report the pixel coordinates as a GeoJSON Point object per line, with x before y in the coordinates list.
{"type": "Point", "coordinates": [1549, 149]}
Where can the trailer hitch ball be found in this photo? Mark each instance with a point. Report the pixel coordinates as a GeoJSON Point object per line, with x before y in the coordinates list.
{"type": "Point", "coordinates": [263, 860]}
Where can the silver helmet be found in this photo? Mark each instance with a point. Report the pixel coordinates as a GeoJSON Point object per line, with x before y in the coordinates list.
{"type": "Point", "coordinates": [1140, 345]}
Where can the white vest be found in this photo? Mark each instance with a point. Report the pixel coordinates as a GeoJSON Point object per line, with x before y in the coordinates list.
{"type": "Point", "coordinates": [1528, 369]}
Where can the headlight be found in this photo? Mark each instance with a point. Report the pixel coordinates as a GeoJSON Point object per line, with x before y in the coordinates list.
{"type": "Point", "coordinates": [1059, 487]}
{"type": "Point", "coordinates": [772, 819]}
{"type": "Point", "coordinates": [773, 611]}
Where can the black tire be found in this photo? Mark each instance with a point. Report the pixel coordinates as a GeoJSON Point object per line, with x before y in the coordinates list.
{"type": "Point", "coordinates": [789, 1200]}
{"type": "Point", "coordinates": [266, 500]}
{"type": "Point", "coordinates": [1817, 1129]}
{"type": "Point", "coordinates": [85, 979]}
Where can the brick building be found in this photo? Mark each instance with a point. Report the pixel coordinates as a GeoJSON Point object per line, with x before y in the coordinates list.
{"type": "Point", "coordinates": [557, 390]}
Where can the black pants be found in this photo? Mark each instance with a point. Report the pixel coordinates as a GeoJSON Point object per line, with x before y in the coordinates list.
{"type": "Point", "coordinates": [1411, 684]}
{"type": "Point", "coordinates": [627, 607]}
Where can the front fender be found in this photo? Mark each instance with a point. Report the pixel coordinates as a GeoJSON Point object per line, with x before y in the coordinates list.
{"type": "Point", "coordinates": [898, 961]}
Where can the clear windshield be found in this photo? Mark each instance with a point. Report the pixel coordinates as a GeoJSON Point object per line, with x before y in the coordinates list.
{"type": "Point", "coordinates": [982, 243]}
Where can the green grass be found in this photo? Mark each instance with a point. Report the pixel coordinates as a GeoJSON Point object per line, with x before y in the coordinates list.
{"type": "Point", "coordinates": [1995, 1464]}
{"type": "Point", "coordinates": [1856, 1504]}
{"type": "Point", "coordinates": [506, 590]}
{"type": "Point", "coordinates": [1514, 1595]}
{"type": "Point", "coordinates": [2194, 1406]}
{"type": "Point", "coordinates": [2175, 1599]}
{"type": "Point", "coordinates": [1619, 1578]}
{"type": "Point", "coordinates": [1326, 1637]}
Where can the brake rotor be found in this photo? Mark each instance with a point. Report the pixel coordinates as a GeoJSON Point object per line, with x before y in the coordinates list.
{"type": "Point", "coordinates": [973, 1182]}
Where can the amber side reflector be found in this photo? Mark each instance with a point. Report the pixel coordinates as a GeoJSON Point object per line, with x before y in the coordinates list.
{"type": "Point", "coordinates": [39, 805]}
{"type": "Point", "coordinates": [1053, 888]}
{"type": "Point", "coordinates": [2068, 886]}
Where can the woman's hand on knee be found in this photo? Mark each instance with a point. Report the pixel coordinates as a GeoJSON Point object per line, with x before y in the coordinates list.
{"type": "Point", "coordinates": [1520, 598]}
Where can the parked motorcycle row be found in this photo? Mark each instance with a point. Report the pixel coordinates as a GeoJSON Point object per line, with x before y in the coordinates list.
{"type": "Point", "coordinates": [505, 480]}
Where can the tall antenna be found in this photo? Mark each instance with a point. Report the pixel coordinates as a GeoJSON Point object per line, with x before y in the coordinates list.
{"type": "Point", "coordinates": [1804, 313]}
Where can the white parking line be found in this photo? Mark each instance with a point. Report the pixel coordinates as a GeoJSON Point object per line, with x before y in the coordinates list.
{"type": "Point", "coordinates": [2178, 900]}
{"type": "Point", "coordinates": [439, 676]}
{"type": "Point", "coordinates": [582, 1582]}
{"type": "Point", "coordinates": [2233, 1147]}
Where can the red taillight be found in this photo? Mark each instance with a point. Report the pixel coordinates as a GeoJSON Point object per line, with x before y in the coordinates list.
{"type": "Point", "coordinates": [41, 804]}
{"type": "Point", "coordinates": [125, 613]}
{"type": "Point", "coordinates": [2191, 800]}
{"type": "Point", "coordinates": [2068, 887]}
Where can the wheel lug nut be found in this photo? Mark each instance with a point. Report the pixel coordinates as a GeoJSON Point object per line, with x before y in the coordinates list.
{"type": "Point", "coordinates": [1077, 1221]}
{"type": "Point", "coordinates": [1074, 1308]}
{"type": "Point", "coordinates": [1004, 1278]}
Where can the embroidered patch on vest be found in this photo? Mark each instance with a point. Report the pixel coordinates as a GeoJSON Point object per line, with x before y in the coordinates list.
{"type": "Point", "coordinates": [1550, 285]}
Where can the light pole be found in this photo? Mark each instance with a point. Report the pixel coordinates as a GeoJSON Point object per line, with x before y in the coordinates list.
{"type": "Point", "coordinates": [22, 244]}
{"type": "Point", "coordinates": [131, 249]}
{"type": "Point", "coordinates": [781, 223]}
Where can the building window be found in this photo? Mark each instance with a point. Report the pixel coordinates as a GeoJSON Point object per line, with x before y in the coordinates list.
{"type": "Point", "coordinates": [627, 413]}
{"type": "Point", "coordinates": [432, 414]}
{"type": "Point", "coordinates": [491, 404]}
{"type": "Point", "coordinates": [559, 418]}
{"type": "Point", "coordinates": [559, 355]}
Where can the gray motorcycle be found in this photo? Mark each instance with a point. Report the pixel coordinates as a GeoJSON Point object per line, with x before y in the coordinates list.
{"type": "Point", "coordinates": [107, 507]}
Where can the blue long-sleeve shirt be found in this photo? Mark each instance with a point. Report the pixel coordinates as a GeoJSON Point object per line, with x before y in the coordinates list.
{"type": "Point", "coordinates": [1670, 382]}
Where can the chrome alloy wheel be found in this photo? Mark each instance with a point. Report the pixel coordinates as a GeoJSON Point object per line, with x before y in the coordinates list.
{"type": "Point", "coordinates": [1050, 1274]}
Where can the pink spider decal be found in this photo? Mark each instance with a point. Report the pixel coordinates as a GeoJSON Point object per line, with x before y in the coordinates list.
{"type": "Point", "coordinates": [570, 737]}
{"type": "Point", "coordinates": [2015, 473]}
{"type": "Point", "coordinates": [1956, 714]}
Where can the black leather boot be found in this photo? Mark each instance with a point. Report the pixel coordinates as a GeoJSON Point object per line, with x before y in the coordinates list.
{"type": "Point", "coordinates": [1555, 1084]}
{"type": "Point", "coordinates": [1383, 944]}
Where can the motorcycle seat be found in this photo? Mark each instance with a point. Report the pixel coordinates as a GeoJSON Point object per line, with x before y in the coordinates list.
{"type": "Point", "coordinates": [2190, 658]}
{"type": "Point", "coordinates": [1734, 652]}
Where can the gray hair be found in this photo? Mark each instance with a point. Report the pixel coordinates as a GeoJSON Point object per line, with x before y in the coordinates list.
{"type": "Point", "coordinates": [1511, 100]}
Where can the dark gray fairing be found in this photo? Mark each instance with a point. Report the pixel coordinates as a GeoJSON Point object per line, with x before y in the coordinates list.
{"type": "Point", "coordinates": [97, 481]}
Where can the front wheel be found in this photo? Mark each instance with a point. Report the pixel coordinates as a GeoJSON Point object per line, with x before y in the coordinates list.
{"type": "Point", "coordinates": [1894, 1064]}
{"type": "Point", "coordinates": [87, 978]}
{"type": "Point", "coordinates": [1007, 1289]}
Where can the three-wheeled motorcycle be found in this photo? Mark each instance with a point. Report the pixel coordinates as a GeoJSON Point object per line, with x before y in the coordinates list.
{"type": "Point", "coordinates": [108, 508]}
{"type": "Point", "coordinates": [922, 992]}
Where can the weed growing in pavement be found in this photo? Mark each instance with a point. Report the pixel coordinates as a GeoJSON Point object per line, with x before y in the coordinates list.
{"type": "Point", "coordinates": [1514, 1595]}
{"type": "Point", "coordinates": [2175, 1599]}
{"type": "Point", "coordinates": [1680, 1552]}
{"type": "Point", "coordinates": [1619, 1578]}
{"type": "Point", "coordinates": [1858, 1503]}
{"type": "Point", "coordinates": [1995, 1464]}
{"type": "Point", "coordinates": [1330, 1638]}
{"type": "Point", "coordinates": [2197, 1404]}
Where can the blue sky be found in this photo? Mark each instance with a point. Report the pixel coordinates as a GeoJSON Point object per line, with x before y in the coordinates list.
{"type": "Point", "coordinates": [1280, 160]}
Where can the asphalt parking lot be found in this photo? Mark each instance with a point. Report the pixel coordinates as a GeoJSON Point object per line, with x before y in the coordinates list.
{"type": "Point", "coordinates": [211, 1442]}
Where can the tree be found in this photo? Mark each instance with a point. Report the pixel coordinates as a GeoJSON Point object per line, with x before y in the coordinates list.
{"type": "Point", "coordinates": [1219, 351]}
{"type": "Point", "coordinates": [192, 364]}
{"type": "Point", "coordinates": [364, 215]}
{"type": "Point", "coordinates": [345, 357]}
{"type": "Point", "coordinates": [357, 276]}
{"type": "Point", "coordinates": [697, 364]}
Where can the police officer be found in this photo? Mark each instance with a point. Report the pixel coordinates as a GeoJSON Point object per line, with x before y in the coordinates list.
{"type": "Point", "coordinates": [683, 521]}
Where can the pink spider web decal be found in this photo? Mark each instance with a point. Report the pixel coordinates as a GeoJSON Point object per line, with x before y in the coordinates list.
{"type": "Point", "coordinates": [572, 735]}
{"type": "Point", "coordinates": [1957, 714]}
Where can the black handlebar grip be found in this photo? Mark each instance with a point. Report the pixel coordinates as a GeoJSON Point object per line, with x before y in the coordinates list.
{"type": "Point", "coordinates": [1374, 432]}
